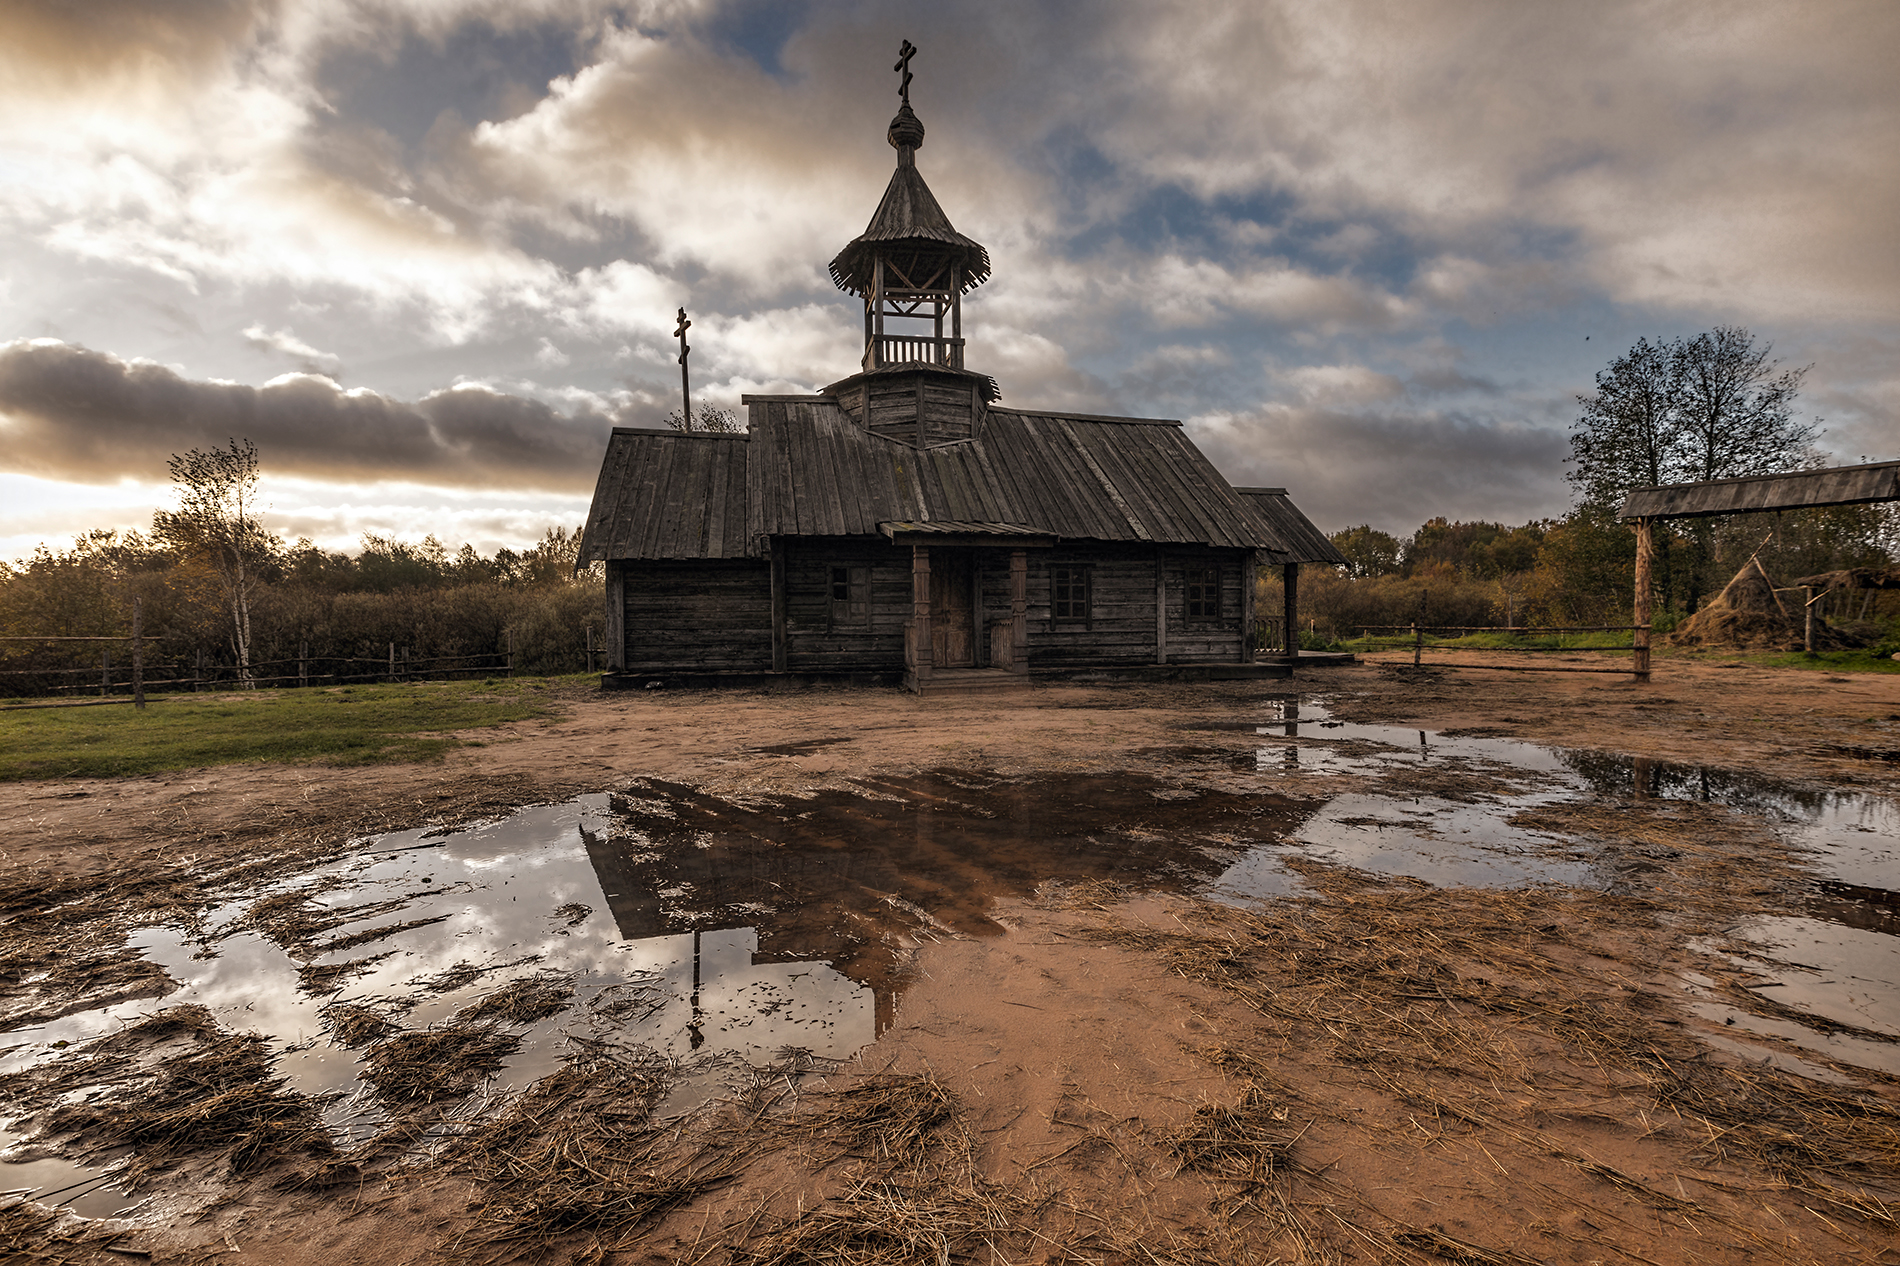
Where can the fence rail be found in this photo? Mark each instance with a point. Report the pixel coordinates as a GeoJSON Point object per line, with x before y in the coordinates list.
{"type": "Point", "coordinates": [305, 669]}
{"type": "Point", "coordinates": [1638, 647]}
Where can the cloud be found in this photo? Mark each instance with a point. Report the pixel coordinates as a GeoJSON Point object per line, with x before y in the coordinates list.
{"type": "Point", "coordinates": [1346, 466]}
{"type": "Point", "coordinates": [286, 343]}
{"type": "Point", "coordinates": [71, 413]}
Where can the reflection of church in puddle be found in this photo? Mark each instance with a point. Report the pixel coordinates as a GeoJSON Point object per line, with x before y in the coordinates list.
{"type": "Point", "coordinates": [719, 998]}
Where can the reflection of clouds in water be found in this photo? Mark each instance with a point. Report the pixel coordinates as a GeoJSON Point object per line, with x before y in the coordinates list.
{"type": "Point", "coordinates": [492, 894]}
{"type": "Point", "coordinates": [1839, 973]}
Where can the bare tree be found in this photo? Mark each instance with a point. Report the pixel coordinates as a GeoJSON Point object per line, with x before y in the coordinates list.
{"type": "Point", "coordinates": [217, 520]}
{"type": "Point", "coordinates": [1736, 407]}
{"type": "Point", "coordinates": [1710, 407]}
{"type": "Point", "coordinates": [716, 421]}
{"type": "Point", "coordinates": [1627, 436]}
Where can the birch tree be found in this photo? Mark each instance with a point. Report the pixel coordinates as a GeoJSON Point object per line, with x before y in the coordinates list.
{"type": "Point", "coordinates": [217, 520]}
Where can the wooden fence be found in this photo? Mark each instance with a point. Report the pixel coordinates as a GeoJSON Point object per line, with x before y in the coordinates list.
{"type": "Point", "coordinates": [1415, 636]}
{"type": "Point", "coordinates": [199, 672]}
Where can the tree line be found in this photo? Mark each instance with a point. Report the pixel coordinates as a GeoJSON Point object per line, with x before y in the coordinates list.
{"type": "Point", "coordinates": [1710, 406]}
{"type": "Point", "coordinates": [216, 587]}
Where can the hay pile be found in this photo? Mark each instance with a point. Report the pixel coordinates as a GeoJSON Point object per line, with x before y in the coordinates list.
{"type": "Point", "coordinates": [1749, 615]}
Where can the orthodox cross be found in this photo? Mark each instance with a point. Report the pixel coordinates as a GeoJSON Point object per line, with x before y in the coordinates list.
{"type": "Point", "coordinates": [904, 54]}
{"type": "Point", "coordinates": [686, 390]}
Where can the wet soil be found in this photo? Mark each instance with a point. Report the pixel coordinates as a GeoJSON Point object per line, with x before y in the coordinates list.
{"type": "Point", "coordinates": [1390, 965]}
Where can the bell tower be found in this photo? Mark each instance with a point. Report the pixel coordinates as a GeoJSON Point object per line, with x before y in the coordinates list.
{"type": "Point", "coordinates": [912, 269]}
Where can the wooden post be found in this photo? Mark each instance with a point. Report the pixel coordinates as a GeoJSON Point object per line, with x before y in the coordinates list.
{"type": "Point", "coordinates": [1161, 607]}
{"type": "Point", "coordinates": [616, 631]}
{"type": "Point", "coordinates": [1807, 625]}
{"type": "Point", "coordinates": [1249, 576]}
{"type": "Point", "coordinates": [1290, 580]}
{"type": "Point", "coordinates": [392, 661]}
{"type": "Point", "coordinates": [1418, 645]}
{"type": "Point", "coordinates": [1645, 546]}
{"type": "Point", "coordinates": [920, 648]}
{"type": "Point", "coordinates": [589, 630]}
{"type": "Point", "coordinates": [105, 672]}
{"type": "Point", "coordinates": [303, 662]}
{"type": "Point", "coordinates": [781, 653]}
{"type": "Point", "coordinates": [511, 652]}
{"type": "Point", "coordinates": [1019, 611]}
{"type": "Point", "coordinates": [138, 654]}
{"type": "Point", "coordinates": [198, 680]}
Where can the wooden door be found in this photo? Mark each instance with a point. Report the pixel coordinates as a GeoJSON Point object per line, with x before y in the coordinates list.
{"type": "Point", "coordinates": [952, 618]}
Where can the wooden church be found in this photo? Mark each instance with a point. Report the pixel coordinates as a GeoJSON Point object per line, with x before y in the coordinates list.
{"type": "Point", "coordinates": [903, 524]}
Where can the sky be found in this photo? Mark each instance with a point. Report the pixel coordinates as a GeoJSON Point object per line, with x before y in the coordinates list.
{"type": "Point", "coordinates": [426, 253]}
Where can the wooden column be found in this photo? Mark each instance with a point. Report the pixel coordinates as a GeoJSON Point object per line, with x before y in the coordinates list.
{"type": "Point", "coordinates": [1019, 611]}
{"type": "Point", "coordinates": [138, 653]}
{"type": "Point", "coordinates": [917, 645]}
{"type": "Point", "coordinates": [874, 353]}
{"type": "Point", "coordinates": [1290, 578]}
{"type": "Point", "coordinates": [1639, 658]}
{"type": "Point", "coordinates": [1249, 569]}
{"type": "Point", "coordinates": [1161, 608]}
{"type": "Point", "coordinates": [616, 613]}
{"type": "Point", "coordinates": [1807, 623]}
{"type": "Point", "coordinates": [780, 653]}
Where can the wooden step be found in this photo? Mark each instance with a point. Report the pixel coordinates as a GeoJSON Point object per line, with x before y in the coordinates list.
{"type": "Point", "coordinates": [970, 681]}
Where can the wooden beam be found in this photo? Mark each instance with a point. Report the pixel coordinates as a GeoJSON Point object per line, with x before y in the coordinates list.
{"type": "Point", "coordinates": [1290, 579]}
{"type": "Point", "coordinates": [779, 648]}
{"type": "Point", "coordinates": [616, 616]}
{"type": "Point", "coordinates": [1161, 608]}
{"type": "Point", "coordinates": [1019, 611]}
{"type": "Point", "coordinates": [918, 651]}
{"type": "Point", "coordinates": [1249, 571]}
{"type": "Point", "coordinates": [1645, 549]}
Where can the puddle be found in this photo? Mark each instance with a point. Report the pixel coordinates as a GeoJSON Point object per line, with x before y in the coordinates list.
{"type": "Point", "coordinates": [702, 931]}
{"type": "Point", "coordinates": [692, 928]}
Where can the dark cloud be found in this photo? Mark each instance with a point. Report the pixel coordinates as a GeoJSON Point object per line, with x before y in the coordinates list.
{"type": "Point", "coordinates": [1344, 467]}
{"type": "Point", "coordinates": [68, 412]}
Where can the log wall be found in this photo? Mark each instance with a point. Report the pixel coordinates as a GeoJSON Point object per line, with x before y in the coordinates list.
{"type": "Point", "coordinates": [703, 615]}
{"type": "Point", "coordinates": [716, 615]}
{"type": "Point", "coordinates": [818, 643]}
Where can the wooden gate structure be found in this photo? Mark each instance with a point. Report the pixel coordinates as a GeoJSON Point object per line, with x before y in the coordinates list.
{"type": "Point", "coordinates": [1749, 494]}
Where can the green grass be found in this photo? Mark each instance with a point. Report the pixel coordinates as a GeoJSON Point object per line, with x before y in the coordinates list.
{"type": "Point", "coordinates": [350, 725]}
{"type": "Point", "coordinates": [1518, 640]}
{"type": "Point", "coordinates": [1855, 661]}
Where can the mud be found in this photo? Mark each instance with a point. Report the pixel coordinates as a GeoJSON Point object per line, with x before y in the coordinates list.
{"type": "Point", "coordinates": [1085, 933]}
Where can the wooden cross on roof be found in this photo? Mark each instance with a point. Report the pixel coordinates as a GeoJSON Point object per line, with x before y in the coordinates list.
{"type": "Point", "coordinates": [904, 54]}
{"type": "Point", "coordinates": [686, 387]}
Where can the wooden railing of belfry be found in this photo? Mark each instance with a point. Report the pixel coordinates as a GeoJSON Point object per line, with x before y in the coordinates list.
{"type": "Point", "coordinates": [912, 349]}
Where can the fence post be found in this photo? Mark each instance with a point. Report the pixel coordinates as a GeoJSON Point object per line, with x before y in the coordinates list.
{"type": "Point", "coordinates": [138, 654]}
{"type": "Point", "coordinates": [198, 678]}
{"type": "Point", "coordinates": [1807, 627]}
{"type": "Point", "coordinates": [303, 662]}
{"type": "Point", "coordinates": [1418, 645]}
{"type": "Point", "coordinates": [511, 652]}
{"type": "Point", "coordinates": [392, 662]}
{"type": "Point", "coordinates": [590, 648]}
{"type": "Point", "coordinates": [105, 672]}
{"type": "Point", "coordinates": [1640, 602]}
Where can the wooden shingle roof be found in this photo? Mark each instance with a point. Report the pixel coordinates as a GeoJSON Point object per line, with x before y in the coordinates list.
{"type": "Point", "coordinates": [1295, 534]}
{"type": "Point", "coordinates": [806, 470]}
{"type": "Point", "coordinates": [1834, 486]}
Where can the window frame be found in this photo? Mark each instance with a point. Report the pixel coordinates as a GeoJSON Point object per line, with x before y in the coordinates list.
{"type": "Point", "coordinates": [856, 582]}
{"type": "Point", "coordinates": [1207, 578]}
{"type": "Point", "coordinates": [1082, 575]}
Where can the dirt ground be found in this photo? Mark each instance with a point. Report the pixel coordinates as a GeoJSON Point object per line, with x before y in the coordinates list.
{"type": "Point", "coordinates": [1375, 1070]}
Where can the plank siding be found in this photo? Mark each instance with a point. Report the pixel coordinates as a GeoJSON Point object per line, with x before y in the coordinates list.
{"type": "Point", "coordinates": [813, 643]}
{"type": "Point", "coordinates": [698, 616]}
{"type": "Point", "coordinates": [1121, 627]}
